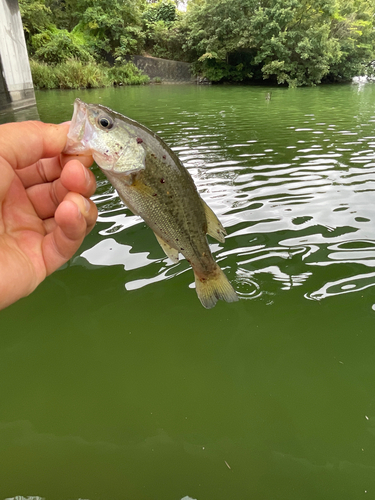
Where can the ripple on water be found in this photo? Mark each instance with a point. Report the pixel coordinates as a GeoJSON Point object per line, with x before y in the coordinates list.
{"type": "Point", "coordinates": [342, 286]}
{"type": "Point", "coordinates": [294, 190]}
{"type": "Point", "coordinates": [245, 286]}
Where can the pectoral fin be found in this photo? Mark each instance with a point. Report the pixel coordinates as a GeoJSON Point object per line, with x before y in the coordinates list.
{"type": "Point", "coordinates": [170, 252]}
{"type": "Point", "coordinates": [214, 226]}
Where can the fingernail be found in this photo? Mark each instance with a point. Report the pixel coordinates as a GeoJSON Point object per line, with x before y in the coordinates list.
{"type": "Point", "coordinates": [87, 174]}
{"type": "Point", "coordinates": [87, 205]}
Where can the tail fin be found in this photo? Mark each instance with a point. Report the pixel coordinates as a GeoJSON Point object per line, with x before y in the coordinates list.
{"type": "Point", "coordinates": [213, 288]}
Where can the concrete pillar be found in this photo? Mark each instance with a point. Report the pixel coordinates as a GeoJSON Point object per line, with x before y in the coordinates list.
{"type": "Point", "coordinates": [16, 84]}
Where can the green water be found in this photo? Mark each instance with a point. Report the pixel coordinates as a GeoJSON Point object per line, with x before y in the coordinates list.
{"type": "Point", "coordinates": [116, 384]}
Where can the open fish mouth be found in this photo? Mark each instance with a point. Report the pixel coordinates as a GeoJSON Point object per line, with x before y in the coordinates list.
{"type": "Point", "coordinates": [80, 131]}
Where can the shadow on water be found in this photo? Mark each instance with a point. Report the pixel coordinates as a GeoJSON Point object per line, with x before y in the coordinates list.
{"type": "Point", "coordinates": [119, 380]}
{"type": "Point", "coordinates": [19, 115]}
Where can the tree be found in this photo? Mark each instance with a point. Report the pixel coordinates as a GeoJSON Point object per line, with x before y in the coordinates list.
{"type": "Point", "coordinates": [352, 26]}
{"type": "Point", "coordinates": [165, 33]}
{"type": "Point", "coordinates": [108, 30]}
{"type": "Point", "coordinates": [36, 17]}
{"type": "Point", "coordinates": [287, 41]}
{"type": "Point", "coordinates": [115, 24]}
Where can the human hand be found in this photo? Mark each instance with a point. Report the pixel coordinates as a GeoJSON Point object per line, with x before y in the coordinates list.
{"type": "Point", "coordinates": [45, 210]}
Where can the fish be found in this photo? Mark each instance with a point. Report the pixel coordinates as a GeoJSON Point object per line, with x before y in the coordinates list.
{"type": "Point", "coordinates": [152, 182]}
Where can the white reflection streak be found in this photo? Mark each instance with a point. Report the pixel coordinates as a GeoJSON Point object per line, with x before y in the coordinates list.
{"type": "Point", "coordinates": [345, 285]}
{"type": "Point", "coordinates": [110, 253]}
{"type": "Point", "coordinates": [120, 222]}
{"type": "Point", "coordinates": [288, 281]}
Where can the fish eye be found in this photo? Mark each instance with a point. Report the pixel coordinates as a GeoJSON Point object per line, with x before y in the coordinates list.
{"type": "Point", "coordinates": [106, 122]}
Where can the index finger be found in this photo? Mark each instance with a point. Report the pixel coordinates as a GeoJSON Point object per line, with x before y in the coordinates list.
{"type": "Point", "coordinates": [24, 143]}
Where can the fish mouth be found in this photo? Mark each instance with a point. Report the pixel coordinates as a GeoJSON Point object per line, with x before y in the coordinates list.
{"type": "Point", "coordinates": [86, 138]}
{"type": "Point", "coordinates": [80, 131]}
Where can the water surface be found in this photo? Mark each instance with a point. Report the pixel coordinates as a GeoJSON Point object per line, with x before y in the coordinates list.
{"type": "Point", "coordinates": [117, 384]}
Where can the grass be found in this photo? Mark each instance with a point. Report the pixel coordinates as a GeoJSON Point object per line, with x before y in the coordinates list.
{"type": "Point", "coordinates": [74, 74]}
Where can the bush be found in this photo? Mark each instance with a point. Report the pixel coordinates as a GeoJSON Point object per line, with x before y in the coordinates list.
{"type": "Point", "coordinates": [43, 75]}
{"type": "Point", "coordinates": [127, 74]}
{"type": "Point", "coordinates": [56, 46]}
{"type": "Point", "coordinates": [74, 74]}
{"type": "Point", "coordinates": [164, 10]}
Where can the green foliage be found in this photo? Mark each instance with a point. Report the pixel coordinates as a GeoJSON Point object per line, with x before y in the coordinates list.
{"type": "Point", "coordinates": [293, 42]}
{"type": "Point", "coordinates": [74, 74]}
{"type": "Point", "coordinates": [71, 74]}
{"type": "Point", "coordinates": [353, 27]}
{"type": "Point", "coordinates": [55, 46]}
{"type": "Point", "coordinates": [164, 10]}
{"type": "Point", "coordinates": [36, 17]}
{"type": "Point", "coordinates": [64, 13]}
{"type": "Point", "coordinates": [114, 23]}
{"type": "Point", "coordinates": [127, 74]}
{"type": "Point", "coordinates": [130, 42]}
{"type": "Point", "coordinates": [217, 71]}
{"type": "Point", "coordinates": [57, 30]}
{"type": "Point", "coordinates": [44, 76]}
{"type": "Point", "coordinates": [166, 40]}
{"type": "Point", "coordinates": [289, 41]}
{"type": "Point", "coordinates": [165, 30]}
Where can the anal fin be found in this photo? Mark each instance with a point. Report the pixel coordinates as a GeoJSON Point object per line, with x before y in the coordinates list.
{"type": "Point", "coordinates": [214, 226]}
{"type": "Point", "coordinates": [170, 252]}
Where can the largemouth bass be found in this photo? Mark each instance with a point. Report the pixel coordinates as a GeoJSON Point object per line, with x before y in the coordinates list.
{"type": "Point", "coordinates": [153, 183]}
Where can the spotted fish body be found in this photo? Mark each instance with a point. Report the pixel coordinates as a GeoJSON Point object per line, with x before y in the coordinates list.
{"type": "Point", "coordinates": [153, 183]}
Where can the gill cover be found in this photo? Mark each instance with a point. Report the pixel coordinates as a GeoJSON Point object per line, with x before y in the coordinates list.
{"type": "Point", "coordinates": [95, 130]}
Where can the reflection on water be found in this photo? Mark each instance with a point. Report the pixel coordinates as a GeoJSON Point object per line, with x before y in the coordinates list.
{"type": "Point", "coordinates": [25, 498]}
{"type": "Point", "coordinates": [292, 181]}
{"type": "Point", "coordinates": [345, 285]}
{"type": "Point", "coordinates": [19, 115]}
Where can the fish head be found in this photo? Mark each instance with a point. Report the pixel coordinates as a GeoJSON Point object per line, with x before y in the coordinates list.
{"type": "Point", "coordinates": [106, 135]}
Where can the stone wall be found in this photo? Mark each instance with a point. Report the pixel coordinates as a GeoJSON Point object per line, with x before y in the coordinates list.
{"type": "Point", "coordinates": [168, 71]}
{"type": "Point", "coordinates": [16, 84]}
